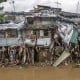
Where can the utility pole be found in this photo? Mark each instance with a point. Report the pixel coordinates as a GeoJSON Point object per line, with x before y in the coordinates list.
{"type": "Point", "coordinates": [13, 9]}
{"type": "Point", "coordinates": [12, 2]}
{"type": "Point", "coordinates": [13, 5]}
{"type": "Point", "coordinates": [77, 7]}
{"type": "Point", "coordinates": [57, 3]}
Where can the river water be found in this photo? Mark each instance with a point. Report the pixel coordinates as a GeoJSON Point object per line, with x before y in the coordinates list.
{"type": "Point", "coordinates": [40, 73]}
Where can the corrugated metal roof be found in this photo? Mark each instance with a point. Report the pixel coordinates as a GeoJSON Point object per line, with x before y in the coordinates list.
{"type": "Point", "coordinates": [11, 26]}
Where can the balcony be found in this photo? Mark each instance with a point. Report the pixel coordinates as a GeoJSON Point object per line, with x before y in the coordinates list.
{"type": "Point", "coordinates": [10, 41]}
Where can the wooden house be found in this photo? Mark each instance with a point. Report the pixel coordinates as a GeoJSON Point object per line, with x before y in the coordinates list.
{"type": "Point", "coordinates": [9, 35]}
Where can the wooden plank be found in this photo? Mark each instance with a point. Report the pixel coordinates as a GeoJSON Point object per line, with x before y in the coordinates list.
{"type": "Point", "coordinates": [64, 55]}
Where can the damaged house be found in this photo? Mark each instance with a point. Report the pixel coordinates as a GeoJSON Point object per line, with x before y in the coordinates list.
{"type": "Point", "coordinates": [37, 34]}
{"type": "Point", "coordinates": [9, 34]}
{"type": "Point", "coordinates": [41, 25]}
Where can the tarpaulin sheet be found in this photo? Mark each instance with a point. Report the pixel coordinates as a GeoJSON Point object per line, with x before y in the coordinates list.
{"type": "Point", "coordinates": [43, 41]}
{"type": "Point", "coordinates": [74, 37]}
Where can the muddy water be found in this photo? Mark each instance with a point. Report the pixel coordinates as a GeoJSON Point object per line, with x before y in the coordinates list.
{"type": "Point", "coordinates": [40, 73]}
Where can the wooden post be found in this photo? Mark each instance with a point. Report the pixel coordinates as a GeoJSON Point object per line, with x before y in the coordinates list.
{"type": "Point", "coordinates": [29, 55]}
{"type": "Point", "coordinates": [33, 56]}
{"type": "Point", "coordinates": [6, 38]}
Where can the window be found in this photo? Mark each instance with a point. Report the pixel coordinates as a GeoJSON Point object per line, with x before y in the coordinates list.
{"type": "Point", "coordinates": [11, 34]}
{"type": "Point", "coordinates": [34, 32]}
{"type": "Point", "coordinates": [2, 34]}
{"type": "Point", "coordinates": [41, 33]}
{"type": "Point", "coordinates": [45, 32]}
{"type": "Point", "coordinates": [38, 33]}
{"type": "Point", "coordinates": [30, 20]}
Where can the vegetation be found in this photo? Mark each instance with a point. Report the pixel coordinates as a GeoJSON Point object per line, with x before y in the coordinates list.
{"type": "Point", "coordinates": [1, 18]}
{"type": "Point", "coordinates": [1, 15]}
{"type": "Point", "coordinates": [2, 1]}
{"type": "Point", "coordinates": [1, 8]}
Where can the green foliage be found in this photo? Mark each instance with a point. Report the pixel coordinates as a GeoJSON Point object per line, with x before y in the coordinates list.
{"type": "Point", "coordinates": [1, 18]}
{"type": "Point", "coordinates": [2, 15]}
{"type": "Point", "coordinates": [2, 1]}
{"type": "Point", "coordinates": [1, 8]}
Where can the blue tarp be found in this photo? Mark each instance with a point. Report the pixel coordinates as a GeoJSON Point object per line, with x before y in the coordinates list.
{"type": "Point", "coordinates": [74, 37]}
{"type": "Point", "coordinates": [9, 41]}
{"type": "Point", "coordinates": [43, 41]}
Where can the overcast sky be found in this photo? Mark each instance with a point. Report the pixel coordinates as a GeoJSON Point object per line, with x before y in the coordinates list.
{"type": "Point", "coordinates": [25, 5]}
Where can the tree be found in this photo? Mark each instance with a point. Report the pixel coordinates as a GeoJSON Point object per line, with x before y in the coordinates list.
{"type": "Point", "coordinates": [2, 15]}
{"type": "Point", "coordinates": [2, 1]}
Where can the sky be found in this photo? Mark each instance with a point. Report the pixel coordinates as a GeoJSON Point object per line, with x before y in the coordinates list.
{"type": "Point", "coordinates": [26, 5]}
